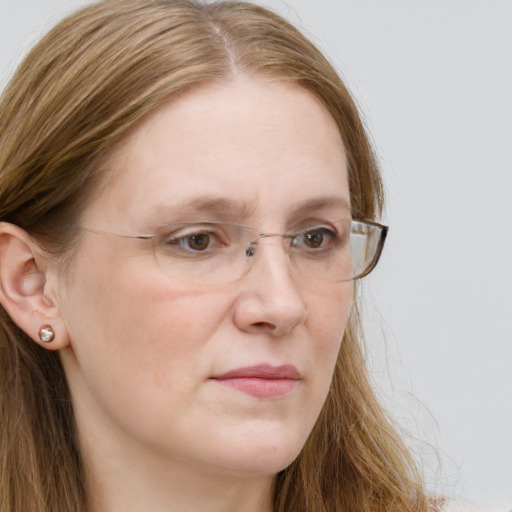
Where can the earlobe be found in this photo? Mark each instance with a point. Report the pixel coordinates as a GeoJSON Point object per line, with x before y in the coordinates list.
{"type": "Point", "coordinates": [23, 280]}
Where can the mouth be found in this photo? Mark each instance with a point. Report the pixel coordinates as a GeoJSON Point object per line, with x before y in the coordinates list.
{"type": "Point", "coordinates": [261, 381]}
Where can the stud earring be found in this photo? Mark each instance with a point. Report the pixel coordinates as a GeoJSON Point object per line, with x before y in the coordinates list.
{"type": "Point", "coordinates": [46, 333]}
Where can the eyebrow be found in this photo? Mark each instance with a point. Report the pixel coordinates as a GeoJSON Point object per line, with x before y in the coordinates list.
{"type": "Point", "coordinates": [321, 203]}
{"type": "Point", "coordinates": [228, 208]}
{"type": "Point", "coordinates": [221, 206]}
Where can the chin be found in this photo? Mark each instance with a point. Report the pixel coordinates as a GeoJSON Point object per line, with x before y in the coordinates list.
{"type": "Point", "coordinates": [262, 455]}
{"type": "Point", "coordinates": [259, 467]}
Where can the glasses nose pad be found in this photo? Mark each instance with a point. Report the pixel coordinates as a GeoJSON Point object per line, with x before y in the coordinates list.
{"type": "Point", "coordinates": [251, 249]}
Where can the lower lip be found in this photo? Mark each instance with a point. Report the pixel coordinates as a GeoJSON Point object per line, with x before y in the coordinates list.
{"type": "Point", "coordinates": [259, 387]}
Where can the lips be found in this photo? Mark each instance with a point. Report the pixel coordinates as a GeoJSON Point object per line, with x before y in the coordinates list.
{"type": "Point", "coordinates": [261, 381]}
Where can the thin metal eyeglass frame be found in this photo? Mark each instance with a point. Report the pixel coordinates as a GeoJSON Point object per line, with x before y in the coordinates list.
{"type": "Point", "coordinates": [380, 245]}
{"type": "Point", "coordinates": [251, 245]}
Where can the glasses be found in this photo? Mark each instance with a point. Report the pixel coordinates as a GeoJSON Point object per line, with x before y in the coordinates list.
{"type": "Point", "coordinates": [219, 252]}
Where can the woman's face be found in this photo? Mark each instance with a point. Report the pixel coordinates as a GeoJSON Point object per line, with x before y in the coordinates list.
{"type": "Point", "coordinates": [232, 376]}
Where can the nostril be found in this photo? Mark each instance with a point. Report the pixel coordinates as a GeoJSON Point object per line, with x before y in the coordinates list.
{"type": "Point", "coordinates": [264, 325]}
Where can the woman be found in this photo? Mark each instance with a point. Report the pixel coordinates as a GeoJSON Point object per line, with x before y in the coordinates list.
{"type": "Point", "coordinates": [187, 196]}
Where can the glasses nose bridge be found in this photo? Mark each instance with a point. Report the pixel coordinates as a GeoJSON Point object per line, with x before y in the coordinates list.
{"type": "Point", "coordinates": [251, 249]}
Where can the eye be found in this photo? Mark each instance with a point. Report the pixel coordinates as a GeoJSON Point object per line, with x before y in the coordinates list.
{"type": "Point", "coordinates": [196, 239]}
{"type": "Point", "coordinates": [315, 238]}
{"type": "Point", "coordinates": [198, 242]}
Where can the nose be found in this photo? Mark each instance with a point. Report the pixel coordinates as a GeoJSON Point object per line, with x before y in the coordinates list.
{"type": "Point", "coordinates": [270, 301]}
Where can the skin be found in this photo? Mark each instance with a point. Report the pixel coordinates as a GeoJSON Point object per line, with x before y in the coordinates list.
{"type": "Point", "coordinates": [141, 348]}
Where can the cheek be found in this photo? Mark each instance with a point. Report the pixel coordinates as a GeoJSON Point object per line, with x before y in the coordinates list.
{"type": "Point", "coordinates": [138, 335]}
{"type": "Point", "coordinates": [328, 314]}
{"type": "Point", "coordinates": [327, 319]}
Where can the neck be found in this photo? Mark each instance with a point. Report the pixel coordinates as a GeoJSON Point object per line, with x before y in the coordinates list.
{"type": "Point", "coordinates": [120, 479]}
{"type": "Point", "coordinates": [179, 491]}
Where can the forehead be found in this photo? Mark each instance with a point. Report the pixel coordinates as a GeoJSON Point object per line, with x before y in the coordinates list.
{"type": "Point", "coordinates": [262, 144]}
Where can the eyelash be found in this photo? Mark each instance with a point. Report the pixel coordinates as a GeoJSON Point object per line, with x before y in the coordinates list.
{"type": "Point", "coordinates": [218, 238]}
{"type": "Point", "coordinates": [178, 239]}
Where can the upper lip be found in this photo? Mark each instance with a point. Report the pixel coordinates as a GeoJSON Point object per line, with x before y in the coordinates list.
{"type": "Point", "coordinates": [262, 371]}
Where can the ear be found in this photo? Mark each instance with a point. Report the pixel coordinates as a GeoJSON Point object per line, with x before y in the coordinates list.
{"type": "Point", "coordinates": [26, 292]}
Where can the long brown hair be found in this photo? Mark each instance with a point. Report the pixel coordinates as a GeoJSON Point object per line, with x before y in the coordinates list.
{"type": "Point", "coordinates": [78, 92]}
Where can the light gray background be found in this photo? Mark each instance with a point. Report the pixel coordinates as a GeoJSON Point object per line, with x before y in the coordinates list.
{"type": "Point", "coordinates": [434, 80]}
